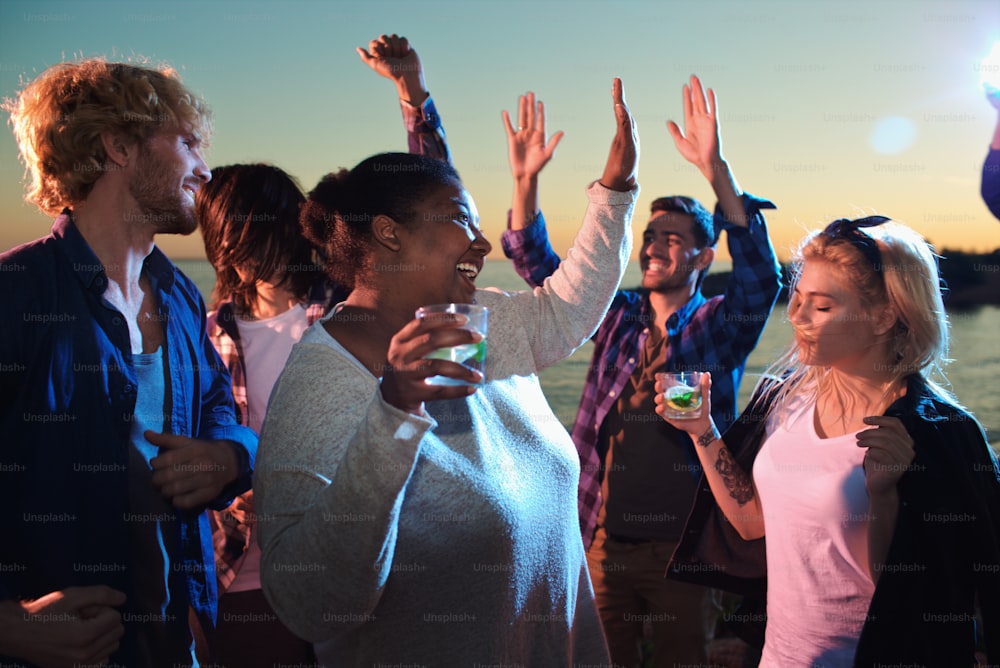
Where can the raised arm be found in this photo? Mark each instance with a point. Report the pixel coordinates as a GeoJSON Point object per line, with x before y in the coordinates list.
{"type": "Point", "coordinates": [526, 240]}
{"type": "Point", "coordinates": [528, 152]}
{"type": "Point", "coordinates": [700, 144]}
{"type": "Point", "coordinates": [731, 485]}
{"type": "Point", "coordinates": [622, 168]}
{"type": "Point", "coordinates": [569, 306]}
{"type": "Point", "coordinates": [392, 57]}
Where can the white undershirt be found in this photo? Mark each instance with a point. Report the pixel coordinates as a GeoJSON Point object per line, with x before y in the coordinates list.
{"type": "Point", "coordinates": [812, 493]}
{"type": "Point", "coordinates": [266, 346]}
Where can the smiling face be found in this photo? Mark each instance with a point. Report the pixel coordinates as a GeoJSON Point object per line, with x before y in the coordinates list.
{"type": "Point", "coordinates": [444, 239]}
{"type": "Point", "coordinates": [833, 327]}
{"type": "Point", "coordinates": [168, 172]}
{"type": "Point", "coordinates": [669, 258]}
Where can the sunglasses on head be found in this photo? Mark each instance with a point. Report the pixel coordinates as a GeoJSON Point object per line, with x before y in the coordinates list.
{"type": "Point", "coordinates": [850, 230]}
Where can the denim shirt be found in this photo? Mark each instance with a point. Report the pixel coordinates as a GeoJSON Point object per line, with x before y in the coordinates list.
{"type": "Point", "coordinates": [67, 399]}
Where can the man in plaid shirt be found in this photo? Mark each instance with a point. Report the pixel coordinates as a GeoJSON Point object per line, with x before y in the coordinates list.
{"type": "Point", "coordinates": [639, 474]}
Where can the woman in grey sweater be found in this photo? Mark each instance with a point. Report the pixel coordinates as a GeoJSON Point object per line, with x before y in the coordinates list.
{"type": "Point", "coordinates": [416, 524]}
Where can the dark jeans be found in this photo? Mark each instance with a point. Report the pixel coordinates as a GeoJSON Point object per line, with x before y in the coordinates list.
{"type": "Point", "coordinates": [249, 635]}
{"type": "Point", "coordinates": [632, 593]}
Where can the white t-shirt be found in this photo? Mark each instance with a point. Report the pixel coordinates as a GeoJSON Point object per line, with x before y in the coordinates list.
{"type": "Point", "coordinates": [815, 505]}
{"type": "Point", "coordinates": [266, 346]}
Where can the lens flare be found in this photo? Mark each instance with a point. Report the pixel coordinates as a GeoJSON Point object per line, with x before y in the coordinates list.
{"type": "Point", "coordinates": [989, 69]}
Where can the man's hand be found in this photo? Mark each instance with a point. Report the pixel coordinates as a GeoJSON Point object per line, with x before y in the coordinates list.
{"type": "Point", "coordinates": [392, 57]}
{"type": "Point", "coordinates": [527, 148]}
{"type": "Point", "coordinates": [700, 144]}
{"type": "Point", "coordinates": [622, 168]}
{"type": "Point", "coordinates": [192, 472]}
{"type": "Point", "coordinates": [72, 627]}
{"type": "Point", "coordinates": [699, 141]}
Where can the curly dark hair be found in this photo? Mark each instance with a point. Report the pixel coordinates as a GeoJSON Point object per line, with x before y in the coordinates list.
{"type": "Point", "coordinates": [337, 214]}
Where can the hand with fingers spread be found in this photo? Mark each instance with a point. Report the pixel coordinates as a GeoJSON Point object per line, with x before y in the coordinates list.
{"type": "Point", "coordinates": [192, 472]}
{"type": "Point", "coordinates": [700, 144]}
{"type": "Point", "coordinates": [699, 141]}
{"type": "Point", "coordinates": [890, 453]}
{"type": "Point", "coordinates": [71, 627]}
{"type": "Point", "coordinates": [529, 150]}
{"type": "Point", "coordinates": [622, 168]}
{"type": "Point", "coordinates": [404, 381]}
{"type": "Point", "coordinates": [392, 57]}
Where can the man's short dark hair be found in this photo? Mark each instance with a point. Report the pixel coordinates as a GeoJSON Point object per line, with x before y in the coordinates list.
{"type": "Point", "coordinates": [703, 227]}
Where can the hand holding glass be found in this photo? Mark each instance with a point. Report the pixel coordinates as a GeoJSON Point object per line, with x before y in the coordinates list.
{"type": "Point", "coordinates": [472, 355]}
{"type": "Point", "coordinates": [681, 394]}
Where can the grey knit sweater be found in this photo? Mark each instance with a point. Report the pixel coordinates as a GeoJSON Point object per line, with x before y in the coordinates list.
{"type": "Point", "coordinates": [391, 539]}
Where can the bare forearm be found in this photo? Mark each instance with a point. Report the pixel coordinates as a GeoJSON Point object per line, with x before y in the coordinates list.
{"type": "Point", "coordinates": [411, 88]}
{"type": "Point", "coordinates": [882, 512]}
{"type": "Point", "coordinates": [732, 488]}
{"type": "Point", "coordinates": [728, 192]}
{"type": "Point", "coordinates": [525, 204]}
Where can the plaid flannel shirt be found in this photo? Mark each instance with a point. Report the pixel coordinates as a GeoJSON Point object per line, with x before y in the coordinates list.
{"type": "Point", "coordinates": [231, 527]}
{"type": "Point", "coordinates": [713, 335]}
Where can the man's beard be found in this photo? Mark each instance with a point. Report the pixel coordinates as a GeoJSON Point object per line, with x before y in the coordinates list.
{"type": "Point", "coordinates": [162, 205]}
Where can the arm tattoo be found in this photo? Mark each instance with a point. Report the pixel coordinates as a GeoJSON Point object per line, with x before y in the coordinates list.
{"type": "Point", "coordinates": [736, 480]}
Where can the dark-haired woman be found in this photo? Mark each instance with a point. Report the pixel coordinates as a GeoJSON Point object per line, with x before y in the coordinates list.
{"type": "Point", "coordinates": [418, 524]}
{"type": "Point", "coordinates": [270, 286]}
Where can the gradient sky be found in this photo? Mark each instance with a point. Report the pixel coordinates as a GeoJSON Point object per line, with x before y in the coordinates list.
{"type": "Point", "coordinates": [827, 108]}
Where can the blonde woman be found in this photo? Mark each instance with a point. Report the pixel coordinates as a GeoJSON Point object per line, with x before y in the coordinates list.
{"type": "Point", "coordinates": [870, 494]}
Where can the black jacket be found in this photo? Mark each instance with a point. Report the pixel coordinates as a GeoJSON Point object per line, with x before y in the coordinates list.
{"type": "Point", "coordinates": [945, 551]}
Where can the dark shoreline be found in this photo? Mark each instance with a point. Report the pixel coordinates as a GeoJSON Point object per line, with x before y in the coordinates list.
{"type": "Point", "coordinates": [972, 280]}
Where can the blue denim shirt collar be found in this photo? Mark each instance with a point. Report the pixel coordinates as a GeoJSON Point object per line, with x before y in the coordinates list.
{"type": "Point", "coordinates": [88, 266]}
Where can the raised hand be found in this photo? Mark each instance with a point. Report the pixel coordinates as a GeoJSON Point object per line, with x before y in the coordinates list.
{"type": "Point", "coordinates": [392, 57]}
{"type": "Point", "coordinates": [622, 168]}
{"type": "Point", "coordinates": [528, 149]}
{"type": "Point", "coordinates": [699, 141]}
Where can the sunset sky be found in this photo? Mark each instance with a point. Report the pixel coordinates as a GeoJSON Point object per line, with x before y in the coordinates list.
{"type": "Point", "coordinates": [828, 108]}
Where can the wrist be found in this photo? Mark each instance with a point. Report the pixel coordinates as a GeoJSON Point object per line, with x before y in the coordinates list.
{"type": "Point", "coordinates": [232, 455]}
{"type": "Point", "coordinates": [717, 173]}
{"type": "Point", "coordinates": [708, 436]}
{"type": "Point", "coordinates": [411, 89]}
{"type": "Point", "coordinates": [883, 498]}
{"type": "Point", "coordinates": [618, 185]}
{"type": "Point", "coordinates": [525, 182]}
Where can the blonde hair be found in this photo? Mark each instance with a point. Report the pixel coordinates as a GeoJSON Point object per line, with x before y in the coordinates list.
{"type": "Point", "coordinates": [906, 280]}
{"type": "Point", "coordinates": [58, 119]}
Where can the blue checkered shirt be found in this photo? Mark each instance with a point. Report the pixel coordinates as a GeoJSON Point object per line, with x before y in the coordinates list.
{"type": "Point", "coordinates": [714, 334]}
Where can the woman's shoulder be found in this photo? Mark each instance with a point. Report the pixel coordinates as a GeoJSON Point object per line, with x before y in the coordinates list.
{"type": "Point", "coordinates": [926, 403]}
